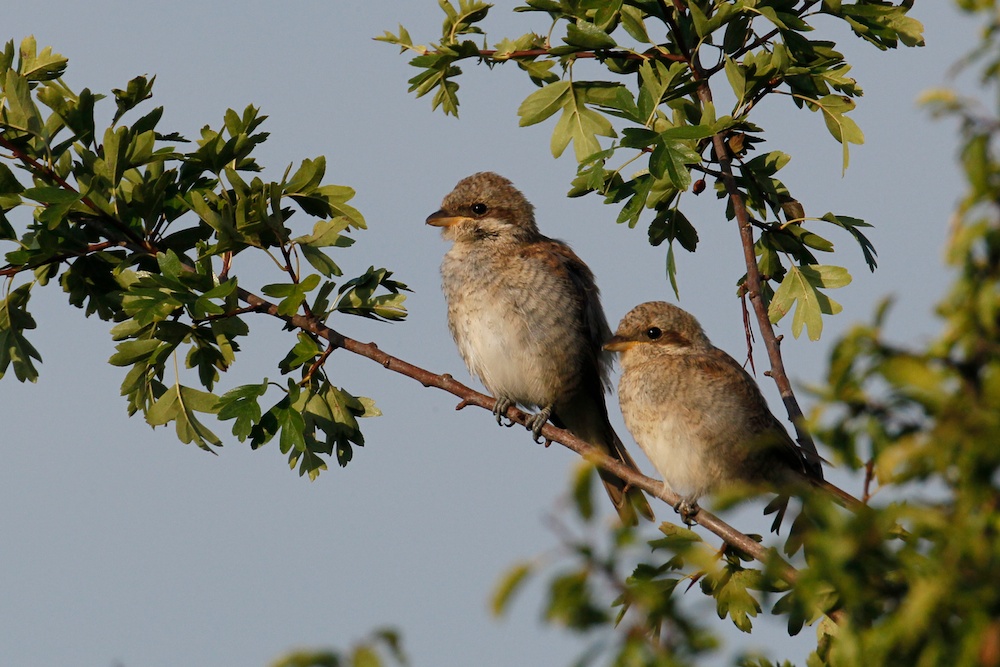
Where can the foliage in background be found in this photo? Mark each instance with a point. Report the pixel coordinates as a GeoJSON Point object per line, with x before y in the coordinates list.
{"type": "Point", "coordinates": [383, 647]}
{"type": "Point", "coordinates": [910, 583]}
{"type": "Point", "coordinates": [660, 66]}
{"type": "Point", "coordinates": [142, 233]}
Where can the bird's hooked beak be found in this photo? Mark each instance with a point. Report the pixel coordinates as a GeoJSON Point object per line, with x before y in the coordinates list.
{"type": "Point", "coordinates": [619, 344]}
{"type": "Point", "coordinates": [443, 219]}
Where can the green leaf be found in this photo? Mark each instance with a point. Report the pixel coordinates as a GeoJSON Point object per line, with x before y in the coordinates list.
{"type": "Point", "coordinates": [655, 79]}
{"type": "Point", "coordinates": [179, 405]}
{"type": "Point", "coordinates": [670, 159]}
{"type": "Point", "coordinates": [578, 123]}
{"type": "Point", "coordinates": [9, 185]}
{"type": "Point", "coordinates": [20, 112]}
{"type": "Point", "coordinates": [45, 194]}
{"type": "Point", "coordinates": [737, 79]}
{"type": "Point", "coordinates": [40, 66]}
{"type": "Point", "coordinates": [586, 35]}
{"type": "Point", "coordinates": [843, 129]}
{"type": "Point", "coordinates": [583, 490]}
{"type": "Point", "coordinates": [543, 103]}
{"type": "Point", "coordinates": [138, 89]}
{"type": "Point", "coordinates": [14, 347]}
{"type": "Point", "coordinates": [359, 296]}
{"type": "Point", "coordinates": [732, 597]}
{"type": "Point", "coordinates": [671, 266]}
{"type": "Point", "coordinates": [131, 351]}
{"type": "Point", "coordinates": [882, 25]}
{"type": "Point", "coordinates": [241, 404]}
{"type": "Point", "coordinates": [640, 188]}
{"type": "Point", "coordinates": [852, 225]}
{"type": "Point", "coordinates": [293, 428]}
{"type": "Point", "coordinates": [404, 41]}
{"type": "Point", "coordinates": [511, 582]}
{"type": "Point", "coordinates": [114, 152]}
{"type": "Point", "coordinates": [305, 350]}
{"type": "Point", "coordinates": [801, 289]}
{"type": "Point", "coordinates": [670, 225]}
{"type": "Point", "coordinates": [675, 538]}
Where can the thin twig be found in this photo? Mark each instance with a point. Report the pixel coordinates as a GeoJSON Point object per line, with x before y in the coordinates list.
{"type": "Point", "coordinates": [12, 270]}
{"type": "Point", "coordinates": [43, 170]}
{"type": "Point", "coordinates": [652, 54]}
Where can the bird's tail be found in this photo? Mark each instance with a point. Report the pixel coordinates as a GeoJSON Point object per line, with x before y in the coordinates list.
{"type": "Point", "coordinates": [841, 497]}
{"type": "Point", "coordinates": [586, 417]}
{"type": "Point", "coordinates": [628, 500]}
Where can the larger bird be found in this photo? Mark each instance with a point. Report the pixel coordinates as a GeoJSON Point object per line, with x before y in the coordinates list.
{"type": "Point", "coordinates": [526, 315]}
{"type": "Point", "coordinates": [699, 417]}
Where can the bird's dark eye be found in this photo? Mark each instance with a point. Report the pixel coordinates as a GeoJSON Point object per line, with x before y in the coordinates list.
{"type": "Point", "coordinates": [653, 333]}
{"type": "Point", "coordinates": [479, 208]}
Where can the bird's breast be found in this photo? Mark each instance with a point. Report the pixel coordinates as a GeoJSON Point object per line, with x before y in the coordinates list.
{"type": "Point", "coordinates": [512, 325]}
{"type": "Point", "coordinates": [671, 418]}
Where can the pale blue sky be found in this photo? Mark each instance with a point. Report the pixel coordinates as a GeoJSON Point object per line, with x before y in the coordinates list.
{"type": "Point", "coordinates": [122, 546]}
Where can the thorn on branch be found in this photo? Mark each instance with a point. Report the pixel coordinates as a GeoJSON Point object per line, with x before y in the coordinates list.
{"type": "Point", "coordinates": [695, 578]}
{"type": "Point", "coordinates": [317, 364]}
{"type": "Point", "coordinates": [464, 403]}
{"type": "Point", "coordinates": [231, 313]}
{"type": "Point", "coordinates": [869, 475]}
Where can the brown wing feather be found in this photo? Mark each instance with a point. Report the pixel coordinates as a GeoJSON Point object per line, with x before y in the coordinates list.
{"type": "Point", "coordinates": [585, 413]}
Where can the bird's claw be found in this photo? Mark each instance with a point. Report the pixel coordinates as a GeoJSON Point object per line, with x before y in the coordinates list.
{"type": "Point", "coordinates": [500, 410]}
{"type": "Point", "coordinates": [688, 509]}
{"type": "Point", "coordinates": [537, 423]}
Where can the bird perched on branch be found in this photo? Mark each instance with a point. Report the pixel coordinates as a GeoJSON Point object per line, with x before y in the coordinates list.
{"type": "Point", "coordinates": [526, 315]}
{"type": "Point", "coordinates": [700, 417]}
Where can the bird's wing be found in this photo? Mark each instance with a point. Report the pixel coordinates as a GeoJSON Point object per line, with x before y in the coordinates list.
{"type": "Point", "coordinates": [762, 424]}
{"type": "Point", "coordinates": [560, 260]}
{"type": "Point", "coordinates": [585, 413]}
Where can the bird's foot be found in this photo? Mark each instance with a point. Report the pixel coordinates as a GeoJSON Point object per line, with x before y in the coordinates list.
{"type": "Point", "coordinates": [500, 410]}
{"type": "Point", "coordinates": [688, 509]}
{"type": "Point", "coordinates": [537, 422]}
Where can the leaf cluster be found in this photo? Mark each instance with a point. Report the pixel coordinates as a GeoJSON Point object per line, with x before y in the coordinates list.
{"type": "Point", "coordinates": [908, 582]}
{"type": "Point", "coordinates": [381, 647]}
{"type": "Point", "coordinates": [653, 113]}
{"type": "Point", "coordinates": [144, 228]}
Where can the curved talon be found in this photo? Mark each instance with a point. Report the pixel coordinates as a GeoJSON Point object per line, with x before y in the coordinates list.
{"type": "Point", "coordinates": [688, 509]}
{"type": "Point", "coordinates": [537, 423]}
{"type": "Point", "coordinates": [500, 409]}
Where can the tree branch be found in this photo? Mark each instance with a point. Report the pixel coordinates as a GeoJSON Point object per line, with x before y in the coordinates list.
{"type": "Point", "coordinates": [753, 286]}
{"type": "Point", "coordinates": [14, 269]}
{"type": "Point", "coordinates": [651, 54]}
{"type": "Point", "coordinates": [469, 396]}
{"type": "Point", "coordinates": [40, 169]}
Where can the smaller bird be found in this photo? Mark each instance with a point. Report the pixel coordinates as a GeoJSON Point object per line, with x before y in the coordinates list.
{"type": "Point", "coordinates": [699, 416]}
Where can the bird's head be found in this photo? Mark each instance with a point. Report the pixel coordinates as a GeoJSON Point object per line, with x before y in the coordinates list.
{"type": "Point", "coordinates": [485, 206]}
{"type": "Point", "coordinates": [658, 327]}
